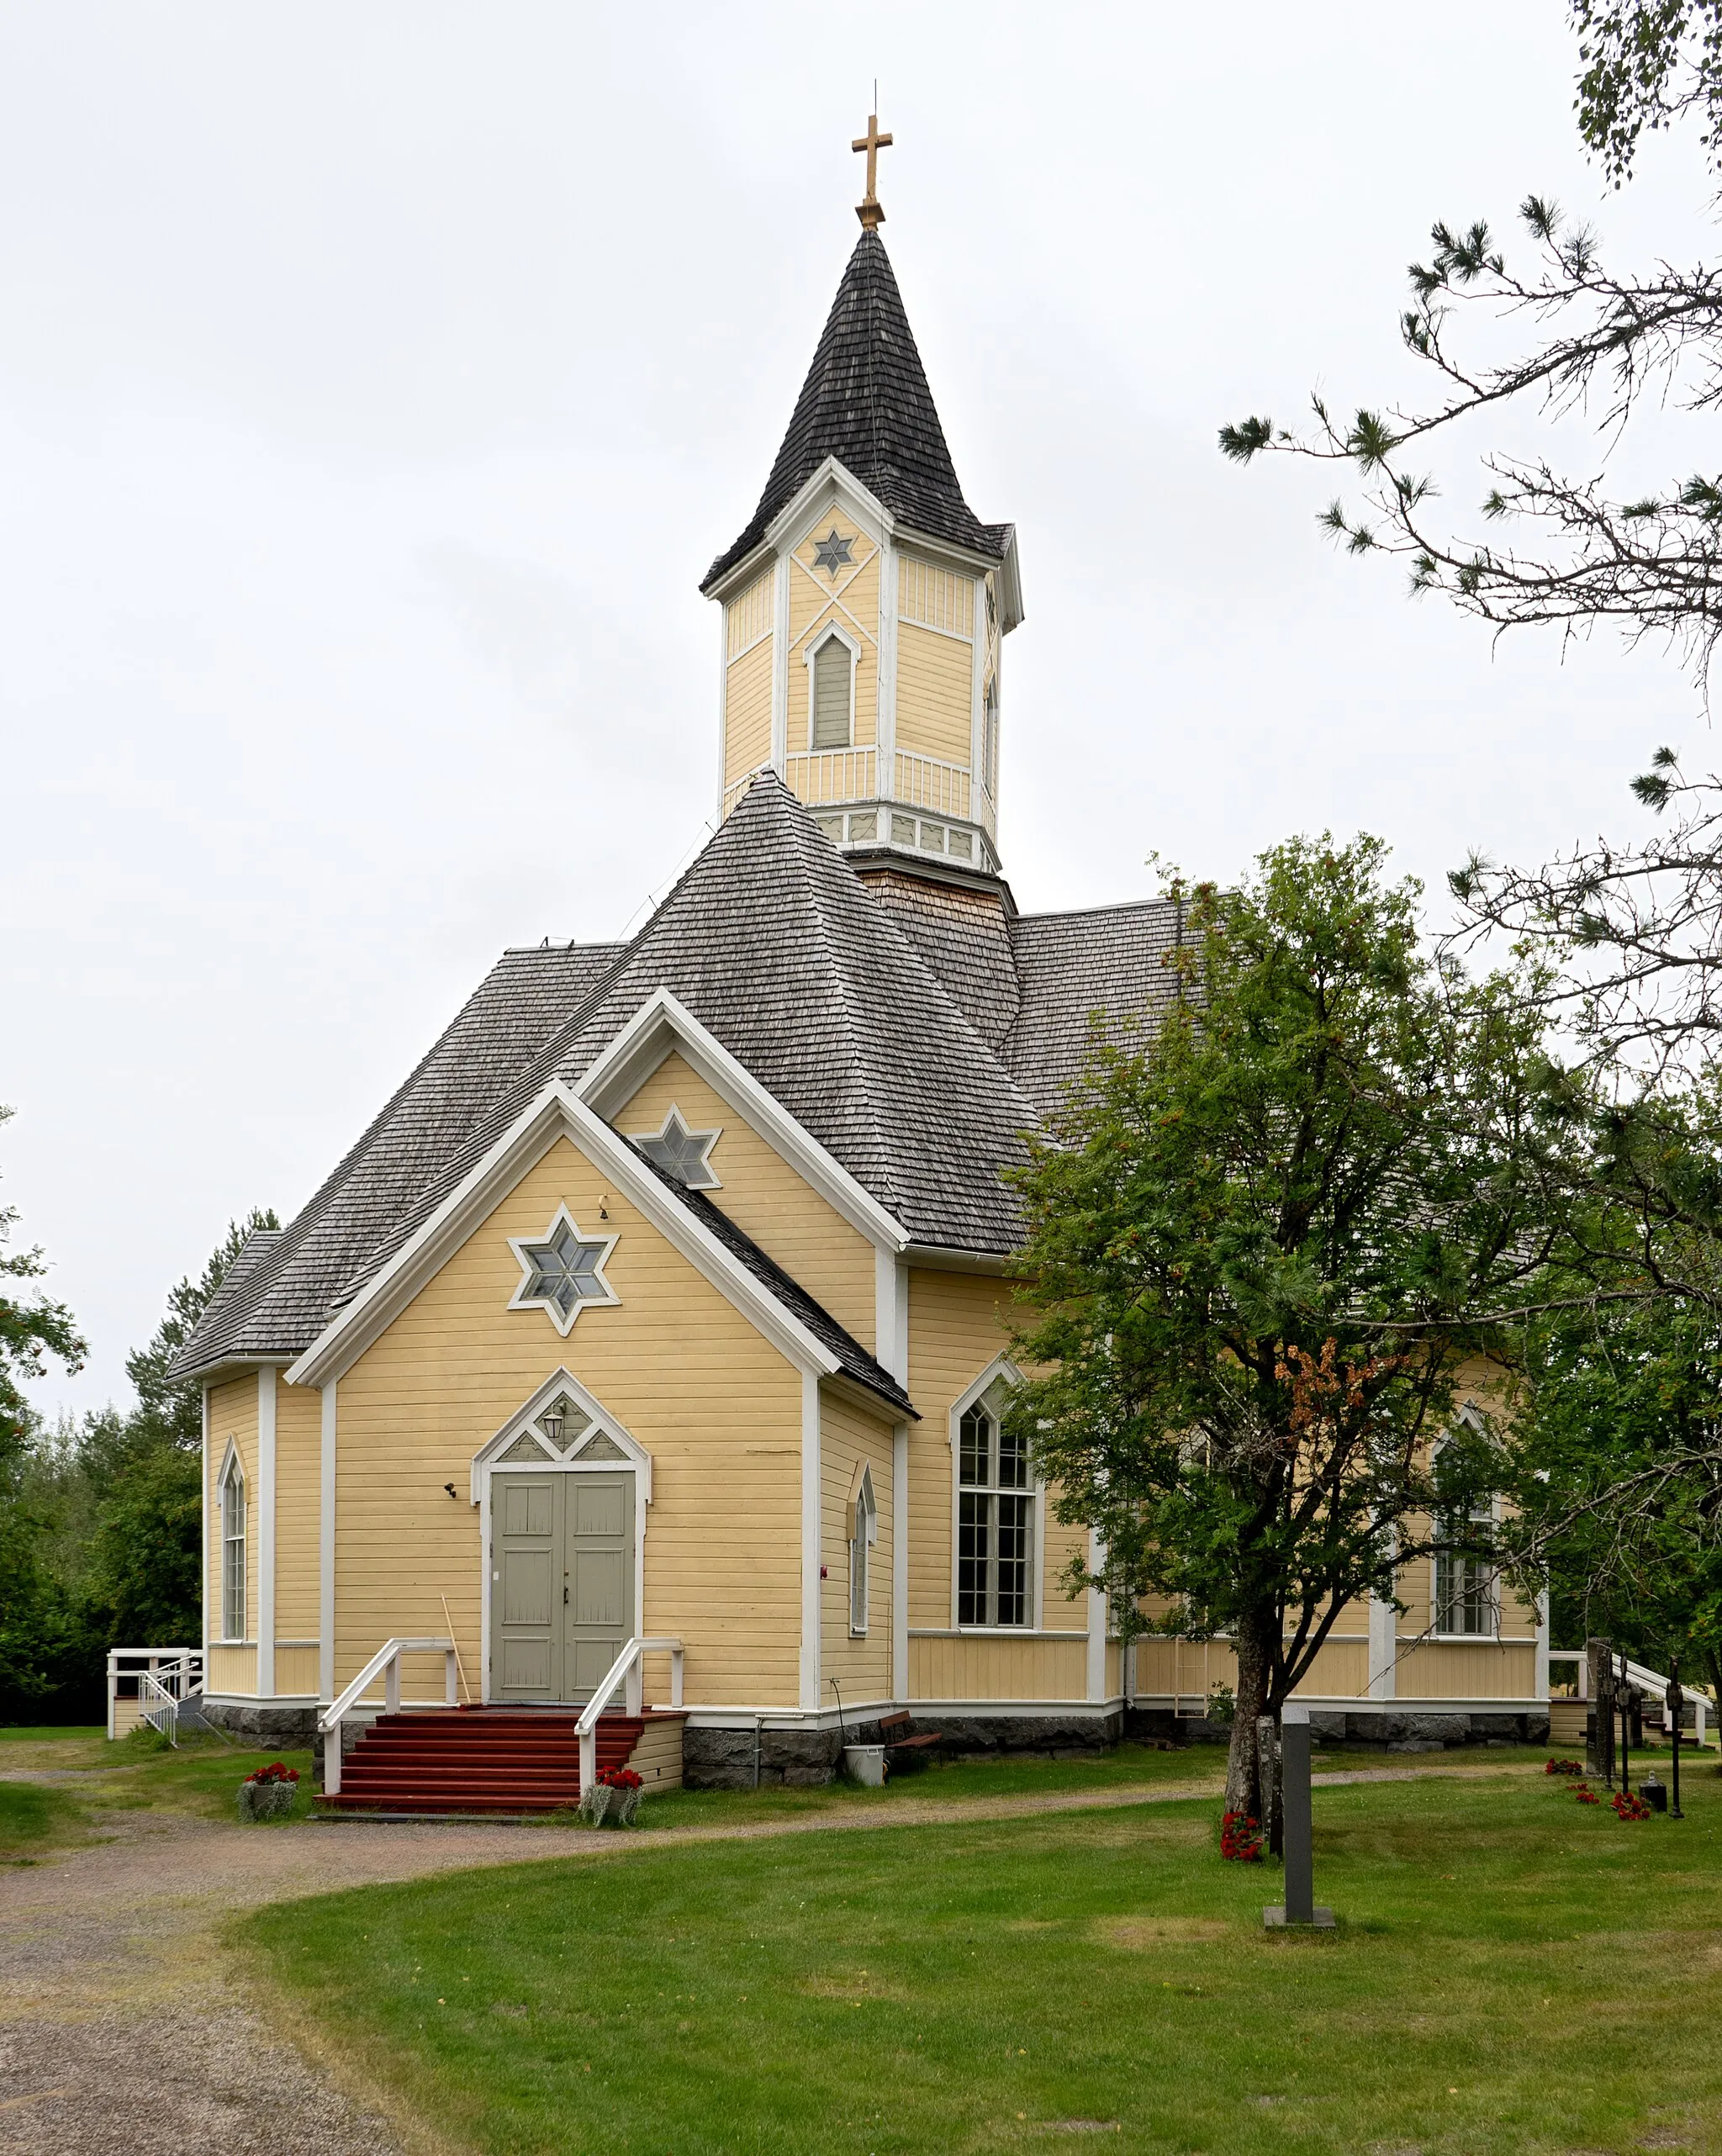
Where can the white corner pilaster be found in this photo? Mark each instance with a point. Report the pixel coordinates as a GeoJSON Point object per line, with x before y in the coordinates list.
{"type": "Point", "coordinates": [1096, 1623]}
{"type": "Point", "coordinates": [810, 1542]}
{"type": "Point", "coordinates": [209, 1573]}
{"type": "Point", "coordinates": [899, 1564]}
{"type": "Point", "coordinates": [885, 777]}
{"type": "Point", "coordinates": [265, 1532]}
{"type": "Point", "coordinates": [723, 704]}
{"type": "Point", "coordinates": [1541, 1665]}
{"type": "Point", "coordinates": [325, 1552]}
{"type": "Point", "coordinates": [780, 667]}
{"type": "Point", "coordinates": [1383, 1648]}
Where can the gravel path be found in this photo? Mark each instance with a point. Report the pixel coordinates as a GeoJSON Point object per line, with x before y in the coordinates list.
{"type": "Point", "coordinates": [121, 2025]}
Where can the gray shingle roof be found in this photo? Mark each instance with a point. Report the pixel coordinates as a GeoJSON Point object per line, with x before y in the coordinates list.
{"type": "Point", "coordinates": [854, 1359]}
{"type": "Point", "coordinates": [913, 1029]}
{"type": "Point", "coordinates": [866, 401]}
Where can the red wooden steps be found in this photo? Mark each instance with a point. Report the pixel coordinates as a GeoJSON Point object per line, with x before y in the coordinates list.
{"type": "Point", "coordinates": [485, 1759]}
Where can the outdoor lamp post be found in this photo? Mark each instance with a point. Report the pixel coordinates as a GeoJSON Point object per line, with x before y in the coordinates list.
{"type": "Point", "coordinates": [1674, 1700]}
{"type": "Point", "coordinates": [1625, 1725]}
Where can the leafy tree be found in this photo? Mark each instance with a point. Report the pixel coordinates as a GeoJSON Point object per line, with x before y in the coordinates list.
{"type": "Point", "coordinates": [1620, 1501]}
{"type": "Point", "coordinates": [30, 1331]}
{"type": "Point", "coordinates": [1262, 1246]}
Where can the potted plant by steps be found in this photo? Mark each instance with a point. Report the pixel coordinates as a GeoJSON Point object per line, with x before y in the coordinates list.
{"type": "Point", "coordinates": [269, 1793]}
{"type": "Point", "coordinates": [614, 1798]}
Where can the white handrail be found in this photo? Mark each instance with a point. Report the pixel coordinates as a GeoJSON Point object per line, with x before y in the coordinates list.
{"type": "Point", "coordinates": [158, 1706]}
{"type": "Point", "coordinates": [625, 1667]}
{"type": "Point", "coordinates": [386, 1664]}
{"type": "Point", "coordinates": [180, 1669]}
{"type": "Point", "coordinates": [1646, 1680]}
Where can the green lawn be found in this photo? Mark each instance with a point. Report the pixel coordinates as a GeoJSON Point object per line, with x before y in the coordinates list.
{"type": "Point", "coordinates": [34, 1818]}
{"type": "Point", "coordinates": [1514, 1974]}
{"type": "Point", "coordinates": [139, 1773]}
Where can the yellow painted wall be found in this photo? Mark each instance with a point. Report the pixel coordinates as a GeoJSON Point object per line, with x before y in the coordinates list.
{"type": "Point", "coordinates": [298, 1441]}
{"type": "Point", "coordinates": [1441, 1671]}
{"type": "Point", "coordinates": [975, 1668]}
{"type": "Point", "coordinates": [954, 1332]}
{"type": "Point", "coordinates": [935, 695]}
{"type": "Point", "coordinates": [231, 1670]}
{"type": "Point", "coordinates": [295, 1671]}
{"type": "Point", "coordinates": [719, 1409]}
{"type": "Point", "coordinates": [233, 1414]}
{"type": "Point", "coordinates": [746, 731]}
{"type": "Point", "coordinates": [765, 1197]}
{"type": "Point", "coordinates": [853, 603]}
{"type": "Point", "coordinates": [657, 1758]}
{"type": "Point", "coordinates": [848, 1437]}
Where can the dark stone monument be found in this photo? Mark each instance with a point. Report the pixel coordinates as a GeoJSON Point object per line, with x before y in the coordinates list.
{"type": "Point", "coordinates": [1300, 1907]}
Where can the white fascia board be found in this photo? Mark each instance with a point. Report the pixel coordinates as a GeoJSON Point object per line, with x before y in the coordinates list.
{"type": "Point", "coordinates": [935, 1257]}
{"type": "Point", "coordinates": [742, 575]}
{"type": "Point", "coordinates": [557, 1112]}
{"type": "Point", "coordinates": [946, 552]}
{"type": "Point", "coordinates": [662, 1024]}
{"type": "Point", "coordinates": [861, 502]}
{"type": "Point", "coordinates": [1010, 587]}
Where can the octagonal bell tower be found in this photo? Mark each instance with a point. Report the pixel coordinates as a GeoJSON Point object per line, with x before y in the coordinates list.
{"type": "Point", "coordinates": [865, 605]}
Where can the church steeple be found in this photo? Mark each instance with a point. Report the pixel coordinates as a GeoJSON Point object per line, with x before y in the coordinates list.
{"type": "Point", "coordinates": [865, 603]}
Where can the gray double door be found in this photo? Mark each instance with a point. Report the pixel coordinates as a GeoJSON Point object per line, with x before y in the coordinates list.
{"type": "Point", "coordinates": [562, 1582]}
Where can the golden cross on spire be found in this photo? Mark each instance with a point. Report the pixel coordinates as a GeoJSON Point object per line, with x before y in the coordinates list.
{"type": "Point", "coordinates": [867, 209]}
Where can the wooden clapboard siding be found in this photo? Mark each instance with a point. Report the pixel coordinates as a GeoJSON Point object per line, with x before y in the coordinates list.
{"type": "Point", "coordinates": [955, 1331]}
{"type": "Point", "coordinates": [765, 1197]}
{"type": "Point", "coordinates": [972, 1666]}
{"type": "Point", "coordinates": [296, 1671]}
{"type": "Point", "coordinates": [854, 608]}
{"type": "Point", "coordinates": [848, 1437]}
{"type": "Point", "coordinates": [657, 1758]}
{"type": "Point", "coordinates": [1491, 1670]}
{"type": "Point", "coordinates": [233, 1416]}
{"type": "Point", "coordinates": [748, 617]}
{"type": "Point", "coordinates": [718, 1408]}
{"type": "Point", "coordinates": [231, 1670]}
{"type": "Point", "coordinates": [935, 695]}
{"type": "Point", "coordinates": [746, 735]}
{"type": "Point", "coordinates": [298, 1438]}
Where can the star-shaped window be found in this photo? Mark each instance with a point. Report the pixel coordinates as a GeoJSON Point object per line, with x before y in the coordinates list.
{"type": "Point", "coordinates": [684, 1154]}
{"type": "Point", "coordinates": [563, 1272]}
{"type": "Point", "coordinates": [833, 552]}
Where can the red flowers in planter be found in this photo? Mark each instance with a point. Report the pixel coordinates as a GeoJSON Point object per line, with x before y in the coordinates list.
{"type": "Point", "coordinates": [275, 1772]}
{"type": "Point", "coordinates": [617, 1777]}
{"type": "Point", "coordinates": [1241, 1838]}
{"type": "Point", "coordinates": [1563, 1766]}
{"type": "Point", "coordinates": [1629, 1806]}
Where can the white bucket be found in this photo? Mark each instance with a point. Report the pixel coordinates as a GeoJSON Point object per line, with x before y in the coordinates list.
{"type": "Point", "coordinates": [865, 1763]}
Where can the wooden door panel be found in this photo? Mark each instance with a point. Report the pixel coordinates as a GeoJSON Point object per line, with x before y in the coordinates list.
{"type": "Point", "coordinates": [526, 1616]}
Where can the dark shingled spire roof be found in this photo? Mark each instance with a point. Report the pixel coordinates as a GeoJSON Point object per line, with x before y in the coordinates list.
{"type": "Point", "coordinates": [866, 401]}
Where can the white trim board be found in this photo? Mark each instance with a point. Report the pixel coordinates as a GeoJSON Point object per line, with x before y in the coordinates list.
{"type": "Point", "coordinates": [557, 1113]}
{"type": "Point", "coordinates": [662, 1025]}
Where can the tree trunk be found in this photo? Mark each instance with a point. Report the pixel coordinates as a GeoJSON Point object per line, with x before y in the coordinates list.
{"type": "Point", "coordinates": [1256, 1664]}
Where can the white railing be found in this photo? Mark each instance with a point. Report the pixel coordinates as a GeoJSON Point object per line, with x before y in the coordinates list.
{"type": "Point", "coordinates": [1645, 1680]}
{"type": "Point", "coordinates": [625, 1669]}
{"type": "Point", "coordinates": [830, 774]}
{"type": "Point", "coordinates": [177, 1671]}
{"type": "Point", "coordinates": [386, 1664]}
{"type": "Point", "coordinates": [923, 782]}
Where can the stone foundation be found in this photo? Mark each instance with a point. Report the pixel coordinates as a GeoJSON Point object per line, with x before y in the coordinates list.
{"type": "Point", "coordinates": [292, 1728]}
{"type": "Point", "coordinates": [1392, 1729]}
{"type": "Point", "coordinates": [789, 1758]}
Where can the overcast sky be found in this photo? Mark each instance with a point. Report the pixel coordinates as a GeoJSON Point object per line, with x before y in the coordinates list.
{"type": "Point", "coordinates": [377, 382]}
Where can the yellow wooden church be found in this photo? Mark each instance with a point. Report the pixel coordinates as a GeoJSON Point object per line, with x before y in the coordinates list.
{"type": "Point", "coordinates": [632, 1386]}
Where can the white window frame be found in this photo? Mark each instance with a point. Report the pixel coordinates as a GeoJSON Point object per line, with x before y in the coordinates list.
{"type": "Point", "coordinates": [832, 631]}
{"type": "Point", "coordinates": [231, 1496]}
{"type": "Point", "coordinates": [999, 1375]}
{"type": "Point", "coordinates": [864, 1534]}
{"type": "Point", "coordinates": [1491, 1579]}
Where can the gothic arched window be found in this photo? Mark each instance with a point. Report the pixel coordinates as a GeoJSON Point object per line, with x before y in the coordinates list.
{"type": "Point", "coordinates": [833, 694]}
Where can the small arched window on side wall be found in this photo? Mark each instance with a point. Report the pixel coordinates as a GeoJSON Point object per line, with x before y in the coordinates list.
{"type": "Point", "coordinates": [863, 1533]}
{"type": "Point", "coordinates": [833, 698]}
{"type": "Point", "coordinates": [233, 1550]}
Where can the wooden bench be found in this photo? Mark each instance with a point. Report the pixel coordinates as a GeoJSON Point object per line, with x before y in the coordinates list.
{"type": "Point", "coordinates": [909, 1751]}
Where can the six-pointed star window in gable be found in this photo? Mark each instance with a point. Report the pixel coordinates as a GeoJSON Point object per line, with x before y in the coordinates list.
{"type": "Point", "coordinates": [684, 1154]}
{"type": "Point", "coordinates": [563, 1272]}
{"type": "Point", "coordinates": [832, 553]}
